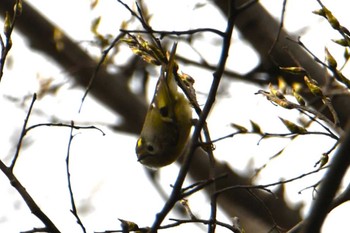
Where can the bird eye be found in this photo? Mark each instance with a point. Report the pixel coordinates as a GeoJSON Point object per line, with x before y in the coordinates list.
{"type": "Point", "coordinates": [150, 148]}
{"type": "Point", "coordinates": [164, 111]}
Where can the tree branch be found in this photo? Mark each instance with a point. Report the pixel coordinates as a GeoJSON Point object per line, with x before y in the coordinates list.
{"type": "Point", "coordinates": [329, 186]}
{"type": "Point", "coordinates": [74, 210]}
{"type": "Point", "coordinates": [23, 133]}
{"type": "Point", "coordinates": [176, 192]}
{"type": "Point", "coordinates": [34, 208]}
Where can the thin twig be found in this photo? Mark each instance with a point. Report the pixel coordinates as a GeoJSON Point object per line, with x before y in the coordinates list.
{"type": "Point", "coordinates": [329, 186]}
{"type": "Point", "coordinates": [35, 230]}
{"type": "Point", "coordinates": [280, 26]}
{"type": "Point", "coordinates": [314, 119]}
{"type": "Point", "coordinates": [64, 125]}
{"type": "Point", "coordinates": [232, 14]}
{"type": "Point", "coordinates": [143, 22]}
{"type": "Point", "coordinates": [23, 133]}
{"type": "Point", "coordinates": [34, 208]}
{"type": "Point", "coordinates": [264, 206]}
{"type": "Point", "coordinates": [207, 222]}
{"type": "Point", "coordinates": [74, 208]}
{"type": "Point", "coordinates": [99, 64]}
{"type": "Point", "coordinates": [176, 192]}
{"type": "Point", "coordinates": [164, 33]}
{"type": "Point", "coordinates": [177, 222]}
{"type": "Point", "coordinates": [199, 186]}
{"type": "Point", "coordinates": [265, 186]}
{"type": "Point", "coordinates": [343, 197]}
{"type": "Point", "coordinates": [303, 109]}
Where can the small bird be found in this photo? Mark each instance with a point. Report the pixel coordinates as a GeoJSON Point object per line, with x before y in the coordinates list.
{"type": "Point", "coordinates": [168, 121]}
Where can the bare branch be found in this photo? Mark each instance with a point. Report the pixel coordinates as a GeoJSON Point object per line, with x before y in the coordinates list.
{"type": "Point", "coordinates": [63, 125]}
{"type": "Point", "coordinates": [164, 33]}
{"type": "Point", "coordinates": [34, 208]}
{"type": "Point", "coordinates": [74, 208]}
{"type": "Point", "coordinates": [98, 67]}
{"type": "Point", "coordinates": [176, 192]}
{"type": "Point", "coordinates": [265, 186]}
{"type": "Point", "coordinates": [23, 133]}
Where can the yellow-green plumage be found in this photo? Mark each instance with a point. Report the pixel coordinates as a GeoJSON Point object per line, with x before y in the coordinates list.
{"type": "Point", "coordinates": [167, 124]}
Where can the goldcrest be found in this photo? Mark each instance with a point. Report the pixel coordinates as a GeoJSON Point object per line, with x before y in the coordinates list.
{"type": "Point", "coordinates": [168, 121]}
